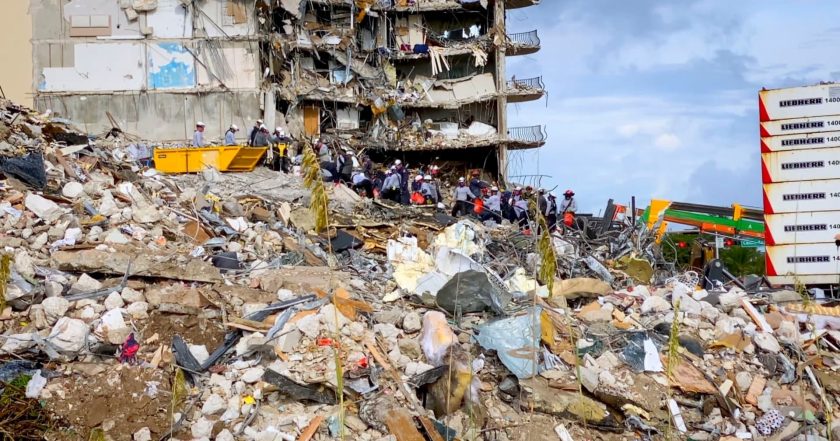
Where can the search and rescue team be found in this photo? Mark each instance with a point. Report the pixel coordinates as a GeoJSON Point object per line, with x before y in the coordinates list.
{"type": "Point", "coordinates": [474, 197]}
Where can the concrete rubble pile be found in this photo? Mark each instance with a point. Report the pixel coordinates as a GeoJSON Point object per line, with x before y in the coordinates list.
{"type": "Point", "coordinates": [143, 306]}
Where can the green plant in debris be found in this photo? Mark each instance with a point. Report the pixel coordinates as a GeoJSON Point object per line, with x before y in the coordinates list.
{"type": "Point", "coordinates": [319, 207]}
{"type": "Point", "coordinates": [339, 371]}
{"type": "Point", "coordinates": [548, 258]}
{"type": "Point", "coordinates": [97, 435]}
{"type": "Point", "coordinates": [5, 275]}
{"type": "Point", "coordinates": [180, 392]}
{"type": "Point", "coordinates": [313, 180]}
{"type": "Point", "coordinates": [673, 359]}
{"type": "Point", "coordinates": [21, 418]}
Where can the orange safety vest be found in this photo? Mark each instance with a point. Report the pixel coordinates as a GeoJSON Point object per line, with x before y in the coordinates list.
{"type": "Point", "coordinates": [479, 206]}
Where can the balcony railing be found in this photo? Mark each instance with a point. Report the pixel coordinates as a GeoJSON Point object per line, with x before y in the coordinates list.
{"type": "Point", "coordinates": [530, 39]}
{"type": "Point", "coordinates": [527, 84]}
{"type": "Point", "coordinates": [527, 135]}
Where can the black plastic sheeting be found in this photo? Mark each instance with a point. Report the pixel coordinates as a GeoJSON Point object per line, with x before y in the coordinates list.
{"type": "Point", "coordinates": [471, 291]}
{"type": "Point", "coordinates": [28, 169]}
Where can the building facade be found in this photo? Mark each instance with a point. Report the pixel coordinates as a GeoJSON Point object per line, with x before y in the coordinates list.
{"type": "Point", "coordinates": [408, 78]}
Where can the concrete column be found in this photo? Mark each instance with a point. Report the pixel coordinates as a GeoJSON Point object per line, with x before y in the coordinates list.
{"type": "Point", "coordinates": [501, 87]}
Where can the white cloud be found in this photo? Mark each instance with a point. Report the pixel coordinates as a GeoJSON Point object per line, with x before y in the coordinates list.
{"type": "Point", "coordinates": [649, 99]}
{"type": "Point", "coordinates": [667, 141]}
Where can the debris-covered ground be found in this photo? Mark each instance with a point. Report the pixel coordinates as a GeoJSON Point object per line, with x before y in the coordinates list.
{"type": "Point", "coordinates": [143, 306]}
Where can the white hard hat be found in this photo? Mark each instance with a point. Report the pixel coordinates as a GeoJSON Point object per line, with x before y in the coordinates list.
{"type": "Point", "coordinates": [259, 121]}
{"type": "Point", "coordinates": [418, 178]}
{"type": "Point", "coordinates": [427, 177]}
{"type": "Point", "coordinates": [397, 162]}
{"type": "Point", "coordinates": [518, 188]}
{"type": "Point", "coordinates": [434, 167]}
{"type": "Point", "coordinates": [393, 167]}
{"type": "Point", "coordinates": [278, 129]}
{"type": "Point", "coordinates": [494, 188]}
{"type": "Point", "coordinates": [461, 180]}
{"type": "Point", "coordinates": [262, 126]}
{"type": "Point", "coordinates": [199, 124]}
{"type": "Point", "coordinates": [233, 126]}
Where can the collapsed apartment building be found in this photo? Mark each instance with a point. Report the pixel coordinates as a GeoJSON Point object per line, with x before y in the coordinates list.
{"type": "Point", "coordinates": [413, 78]}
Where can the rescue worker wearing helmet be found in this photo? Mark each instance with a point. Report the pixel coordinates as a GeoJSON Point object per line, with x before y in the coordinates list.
{"type": "Point", "coordinates": [493, 206]}
{"type": "Point", "coordinates": [230, 135]}
{"type": "Point", "coordinates": [461, 195]}
{"type": "Point", "coordinates": [198, 135]}
{"type": "Point", "coordinates": [568, 208]}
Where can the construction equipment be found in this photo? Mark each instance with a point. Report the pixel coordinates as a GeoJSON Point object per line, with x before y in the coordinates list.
{"type": "Point", "coordinates": [233, 158]}
{"type": "Point", "coordinates": [735, 221]}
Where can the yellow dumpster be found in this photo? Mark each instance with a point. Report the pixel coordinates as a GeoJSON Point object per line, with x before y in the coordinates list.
{"type": "Point", "coordinates": [196, 159]}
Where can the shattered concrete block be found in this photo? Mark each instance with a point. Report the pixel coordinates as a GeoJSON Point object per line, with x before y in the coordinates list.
{"type": "Point", "coordinates": [138, 310]}
{"type": "Point", "coordinates": [114, 301]}
{"type": "Point", "coordinates": [332, 319]}
{"type": "Point", "coordinates": [199, 352]}
{"type": "Point", "coordinates": [767, 342]}
{"type": "Point", "coordinates": [131, 296]}
{"type": "Point", "coordinates": [113, 327]}
{"type": "Point", "coordinates": [68, 335]}
{"type": "Point", "coordinates": [411, 322]}
{"type": "Point", "coordinates": [252, 375]}
{"type": "Point", "coordinates": [85, 283]}
{"type": "Point", "coordinates": [16, 343]}
{"type": "Point", "coordinates": [143, 434]}
{"type": "Point", "coordinates": [213, 404]}
{"type": "Point", "coordinates": [202, 428]}
{"type": "Point", "coordinates": [45, 209]}
{"type": "Point", "coordinates": [115, 236]}
{"type": "Point", "coordinates": [225, 435]}
{"type": "Point", "coordinates": [72, 190]}
{"type": "Point", "coordinates": [309, 325]}
{"type": "Point", "coordinates": [55, 308]}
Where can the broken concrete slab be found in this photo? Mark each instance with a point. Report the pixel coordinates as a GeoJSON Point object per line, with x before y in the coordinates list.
{"type": "Point", "coordinates": [142, 264]}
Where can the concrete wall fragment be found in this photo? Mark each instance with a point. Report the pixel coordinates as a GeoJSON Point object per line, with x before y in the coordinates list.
{"type": "Point", "coordinates": [98, 67]}
{"type": "Point", "coordinates": [170, 66]}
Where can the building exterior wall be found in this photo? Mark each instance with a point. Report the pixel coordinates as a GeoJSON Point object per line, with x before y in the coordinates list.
{"type": "Point", "coordinates": [16, 50]}
{"type": "Point", "coordinates": [157, 68]}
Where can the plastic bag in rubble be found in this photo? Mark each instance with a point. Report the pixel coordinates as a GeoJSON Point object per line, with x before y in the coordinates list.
{"type": "Point", "coordinates": [35, 385]}
{"type": "Point", "coordinates": [641, 353]}
{"type": "Point", "coordinates": [29, 169]}
{"type": "Point", "coordinates": [515, 340]}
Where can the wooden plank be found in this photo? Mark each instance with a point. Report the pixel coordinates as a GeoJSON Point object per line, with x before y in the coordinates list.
{"type": "Point", "coordinates": [310, 430]}
{"type": "Point", "coordinates": [427, 424]}
{"type": "Point", "coordinates": [401, 424]}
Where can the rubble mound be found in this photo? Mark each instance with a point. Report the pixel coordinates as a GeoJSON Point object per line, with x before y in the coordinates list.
{"type": "Point", "coordinates": [138, 305]}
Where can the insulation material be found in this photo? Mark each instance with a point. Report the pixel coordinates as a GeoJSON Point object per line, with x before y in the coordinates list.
{"type": "Point", "coordinates": [98, 67]}
{"type": "Point", "coordinates": [477, 86]}
{"type": "Point", "coordinates": [226, 18]}
{"type": "Point", "coordinates": [86, 18]}
{"type": "Point", "coordinates": [90, 25]}
{"type": "Point", "coordinates": [293, 7]}
{"type": "Point", "coordinates": [409, 31]}
{"type": "Point", "coordinates": [170, 20]}
{"type": "Point", "coordinates": [236, 10]}
{"type": "Point", "coordinates": [243, 70]}
{"type": "Point", "coordinates": [170, 66]}
{"type": "Point", "coordinates": [347, 119]}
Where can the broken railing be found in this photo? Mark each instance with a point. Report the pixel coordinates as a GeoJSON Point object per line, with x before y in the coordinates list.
{"type": "Point", "coordinates": [527, 135]}
{"type": "Point", "coordinates": [525, 38]}
{"type": "Point", "coordinates": [535, 83]}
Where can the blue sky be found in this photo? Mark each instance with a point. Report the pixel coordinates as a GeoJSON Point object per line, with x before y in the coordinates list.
{"type": "Point", "coordinates": [658, 99]}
